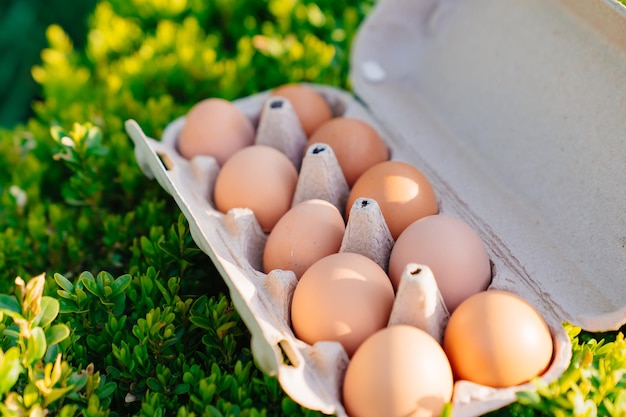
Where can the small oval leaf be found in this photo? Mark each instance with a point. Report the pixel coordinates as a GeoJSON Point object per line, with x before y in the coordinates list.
{"type": "Point", "coordinates": [9, 369]}
{"type": "Point", "coordinates": [36, 346]}
{"type": "Point", "coordinates": [64, 283]}
{"type": "Point", "coordinates": [120, 284]}
{"type": "Point", "coordinates": [57, 334]}
{"type": "Point", "coordinates": [49, 311]}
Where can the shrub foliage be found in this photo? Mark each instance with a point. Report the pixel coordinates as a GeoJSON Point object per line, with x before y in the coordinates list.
{"type": "Point", "coordinates": [124, 315]}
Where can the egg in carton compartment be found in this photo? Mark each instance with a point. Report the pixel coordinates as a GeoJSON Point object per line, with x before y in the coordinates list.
{"type": "Point", "coordinates": [312, 375]}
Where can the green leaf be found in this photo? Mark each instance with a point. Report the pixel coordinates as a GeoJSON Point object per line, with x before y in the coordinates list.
{"type": "Point", "coordinates": [35, 346]}
{"type": "Point", "coordinates": [214, 411]}
{"type": "Point", "coordinates": [9, 304]}
{"type": "Point", "coordinates": [49, 311]}
{"type": "Point", "coordinates": [288, 406]}
{"type": "Point", "coordinates": [120, 284]}
{"type": "Point", "coordinates": [64, 283]}
{"type": "Point", "coordinates": [154, 384]}
{"type": "Point", "coordinates": [57, 334]}
{"type": "Point", "coordinates": [57, 133]}
{"type": "Point", "coordinates": [106, 390]}
{"type": "Point", "coordinates": [147, 247]}
{"type": "Point", "coordinates": [10, 369]}
{"type": "Point", "coordinates": [528, 397]}
{"type": "Point", "coordinates": [92, 286]}
{"type": "Point", "coordinates": [65, 295]}
{"type": "Point", "coordinates": [166, 294]}
{"type": "Point", "coordinates": [55, 394]}
{"type": "Point", "coordinates": [224, 328]}
{"type": "Point", "coordinates": [81, 296]}
{"type": "Point", "coordinates": [67, 306]}
{"type": "Point", "coordinates": [31, 395]}
{"type": "Point", "coordinates": [181, 389]}
{"type": "Point", "coordinates": [202, 322]}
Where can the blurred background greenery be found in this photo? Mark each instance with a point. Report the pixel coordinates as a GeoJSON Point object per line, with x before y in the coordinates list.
{"type": "Point", "coordinates": [22, 37]}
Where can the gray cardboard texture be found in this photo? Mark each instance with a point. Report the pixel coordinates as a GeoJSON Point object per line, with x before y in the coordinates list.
{"type": "Point", "coordinates": [518, 109]}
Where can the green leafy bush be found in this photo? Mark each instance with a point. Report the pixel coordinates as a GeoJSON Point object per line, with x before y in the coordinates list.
{"type": "Point", "coordinates": [140, 322]}
{"type": "Point", "coordinates": [125, 315]}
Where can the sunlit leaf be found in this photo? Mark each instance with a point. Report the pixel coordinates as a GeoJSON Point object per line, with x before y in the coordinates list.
{"type": "Point", "coordinates": [57, 334]}
{"type": "Point", "coordinates": [49, 311]}
{"type": "Point", "coordinates": [10, 369]}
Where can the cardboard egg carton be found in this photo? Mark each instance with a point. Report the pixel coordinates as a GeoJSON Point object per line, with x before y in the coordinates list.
{"type": "Point", "coordinates": [311, 375]}
{"type": "Point", "coordinates": [509, 108]}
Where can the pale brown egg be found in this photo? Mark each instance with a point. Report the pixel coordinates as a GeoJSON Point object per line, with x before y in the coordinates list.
{"type": "Point", "coordinates": [402, 192]}
{"type": "Point", "coordinates": [311, 108]}
{"type": "Point", "coordinates": [260, 178]}
{"type": "Point", "coordinates": [215, 127]}
{"type": "Point", "coordinates": [400, 371]}
{"type": "Point", "coordinates": [308, 232]}
{"type": "Point", "coordinates": [497, 339]}
{"type": "Point", "coordinates": [451, 249]}
{"type": "Point", "coordinates": [356, 144]}
{"type": "Point", "coordinates": [343, 297]}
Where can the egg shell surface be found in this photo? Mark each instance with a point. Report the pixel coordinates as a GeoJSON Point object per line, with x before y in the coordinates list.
{"type": "Point", "coordinates": [496, 338]}
{"type": "Point", "coordinates": [399, 371]}
{"type": "Point", "coordinates": [356, 144]}
{"type": "Point", "coordinates": [309, 105]}
{"type": "Point", "coordinates": [402, 192]}
{"type": "Point", "coordinates": [452, 250]}
{"type": "Point", "coordinates": [343, 297]}
{"type": "Point", "coordinates": [260, 178]}
{"type": "Point", "coordinates": [215, 127]}
{"type": "Point", "coordinates": [308, 232]}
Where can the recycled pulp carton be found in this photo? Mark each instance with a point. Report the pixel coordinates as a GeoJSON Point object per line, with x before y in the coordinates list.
{"type": "Point", "coordinates": [515, 111]}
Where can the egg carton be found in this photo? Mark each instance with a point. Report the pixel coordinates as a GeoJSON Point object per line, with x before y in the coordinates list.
{"type": "Point", "coordinates": [311, 374]}
{"type": "Point", "coordinates": [444, 98]}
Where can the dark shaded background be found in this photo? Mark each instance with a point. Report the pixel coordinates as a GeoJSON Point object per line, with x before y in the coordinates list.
{"type": "Point", "coordinates": [23, 25]}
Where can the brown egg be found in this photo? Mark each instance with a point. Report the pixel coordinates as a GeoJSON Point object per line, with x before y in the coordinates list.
{"type": "Point", "coordinates": [356, 144]}
{"type": "Point", "coordinates": [452, 250]}
{"type": "Point", "coordinates": [402, 192]}
{"type": "Point", "coordinates": [309, 105]}
{"type": "Point", "coordinates": [260, 178]}
{"type": "Point", "coordinates": [497, 339]}
{"type": "Point", "coordinates": [400, 371]}
{"type": "Point", "coordinates": [215, 127]}
{"type": "Point", "coordinates": [343, 297]}
{"type": "Point", "coordinates": [305, 234]}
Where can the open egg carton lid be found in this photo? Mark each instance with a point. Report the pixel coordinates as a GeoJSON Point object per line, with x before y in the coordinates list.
{"type": "Point", "coordinates": [513, 111]}
{"type": "Point", "coordinates": [518, 111]}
